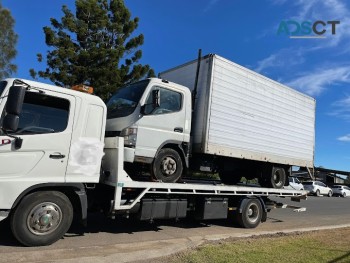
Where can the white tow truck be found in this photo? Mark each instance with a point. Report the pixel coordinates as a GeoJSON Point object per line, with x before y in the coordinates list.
{"type": "Point", "coordinates": [55, 162]}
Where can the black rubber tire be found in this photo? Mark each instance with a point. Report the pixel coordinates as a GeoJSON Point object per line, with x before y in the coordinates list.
{"type": "Point", "coordinates": [19, 223]}
{"type": "Point", "coordinates": [318, 193]}
{"type": "Point", "coordinates": [278, 177]}
{"type": "Point", "coordinates": [171, 157]}
{"type": "Point", "coordinates": [251, 213]}
{"type": "Point", "coordinates": [228, 177]}
{"type": "Point", "coordinates": [344, 194]}
{"type": "Point", "coordinates": [330, 193]}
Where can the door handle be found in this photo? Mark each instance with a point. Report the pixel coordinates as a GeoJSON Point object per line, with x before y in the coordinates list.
{"type": "Point", "coordinates": [178, 129]}
{"type": "Point", "coordinates": [57, 156]}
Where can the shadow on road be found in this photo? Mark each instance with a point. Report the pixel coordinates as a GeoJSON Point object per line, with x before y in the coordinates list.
{"type": "Point", "coordinates": [6, 237]}
{"type": "Point", "coordinates": [98, 223]}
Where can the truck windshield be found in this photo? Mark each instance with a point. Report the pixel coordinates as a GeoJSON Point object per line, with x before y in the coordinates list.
{"type": "Point", "coordinates": [124, 100]}
{"type": "Point", "coordinates": [2, 86]}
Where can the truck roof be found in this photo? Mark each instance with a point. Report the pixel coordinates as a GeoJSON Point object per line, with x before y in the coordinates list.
{"type": "Point", "coordinates": [54, 88]}
{"type": "Point", "coordinates": [165, 82]}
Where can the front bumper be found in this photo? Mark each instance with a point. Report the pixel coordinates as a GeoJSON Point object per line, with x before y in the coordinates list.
{"type": "Point", "coordinates": [129, 154]}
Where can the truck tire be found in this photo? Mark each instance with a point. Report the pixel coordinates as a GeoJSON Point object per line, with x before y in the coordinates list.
{"type": "Point", "coordinates": [274, 177]}
{"type": "Point", "coordinates": [228, 177]}
{"type": "Point", "coordinates": [251, 213]}
{"type": "Point", "coordinates": [167, 166]}
{"type": "Point", "coordinates": [41, 218]}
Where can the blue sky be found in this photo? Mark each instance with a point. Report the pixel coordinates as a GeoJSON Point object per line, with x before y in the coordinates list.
{"type": "Point", "coordinates": [242, 31]}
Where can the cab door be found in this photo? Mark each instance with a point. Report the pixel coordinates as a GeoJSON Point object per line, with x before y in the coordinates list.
{"type": "Point", "coordinates": [163, 124]}
{"type": "Point", "coordinates": [45, 126]}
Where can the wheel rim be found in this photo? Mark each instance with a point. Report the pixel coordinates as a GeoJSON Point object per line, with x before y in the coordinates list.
{"type": "Point", "coordinates": [276, 177]}
{"type": "Point", "coordinates": [253, 213]}
{"type": "Point", "coordinates": [44, 218]}
{"type": "Point", "coordinates": [168, 166]}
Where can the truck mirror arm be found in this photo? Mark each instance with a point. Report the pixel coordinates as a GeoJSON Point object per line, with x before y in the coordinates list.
{"type": "Point", "coordinates": [18, 140]}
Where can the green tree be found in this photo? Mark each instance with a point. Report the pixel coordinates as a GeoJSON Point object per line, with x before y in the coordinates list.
{"type": "Point", "coordinates": [94, 47]}
{"type": "Point", "coordinates": [8, 41]}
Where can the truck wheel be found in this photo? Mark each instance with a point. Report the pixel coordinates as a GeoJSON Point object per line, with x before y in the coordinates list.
{"type": "Point", "coordinates": [251, 213]}
{"type": "Point", "coordinates": [167, 166]}
{"type": "Point", "coordinates": [228, 177]}
{"type": "Point", "coordinates": [42, 218]}
{"type": "Point", "coordinates": [277, 177]}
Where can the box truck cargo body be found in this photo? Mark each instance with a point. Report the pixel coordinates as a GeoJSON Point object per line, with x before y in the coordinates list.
{"type": "Point", "coordinates": [237, 123]}
{"type": "Point", "coordinates": [240, 113]}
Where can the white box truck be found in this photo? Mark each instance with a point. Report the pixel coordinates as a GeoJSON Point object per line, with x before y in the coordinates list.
{"type": "Point", "coordinates": [51, 169]}
{"type": "Point", "coordinates": [242, 124]}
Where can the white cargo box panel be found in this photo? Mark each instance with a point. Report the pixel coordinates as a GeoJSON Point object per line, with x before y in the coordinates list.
{"type": "Point", "coordinates": [240, 113]}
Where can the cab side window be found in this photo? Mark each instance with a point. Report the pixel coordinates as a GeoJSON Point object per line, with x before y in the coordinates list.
{"type": "Point", "coordinates": [43, 114]}
{"type": "Point", "coordinates": [170, 101]}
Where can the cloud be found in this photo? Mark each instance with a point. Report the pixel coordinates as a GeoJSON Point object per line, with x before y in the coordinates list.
{"type": "Point", "coordinates": [345, 138]}
{"type": "Point", "coordinates": [270, 61]}
{"type": "Point", "coordinates": [210, 5]}
{"type": "Point", "coordinates": [316, 82]}
{"type": "Point", "coordinates": [284, 57]}
{"type": "Point", "coordinates": [342, 108]}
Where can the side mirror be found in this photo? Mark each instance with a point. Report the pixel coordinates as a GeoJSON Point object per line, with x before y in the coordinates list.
{"type": "Point", "coordinates": [13, 108]}
{"type": "Point", "coordinates": [155, 98]}
{"type": "Point", "coordinates": [10, 123]}
{"type": "Point", "coordinates": [15, 100]}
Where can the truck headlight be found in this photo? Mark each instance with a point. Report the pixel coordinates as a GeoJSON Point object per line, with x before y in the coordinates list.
{"type": "Point", "coordinates": [130, 135]}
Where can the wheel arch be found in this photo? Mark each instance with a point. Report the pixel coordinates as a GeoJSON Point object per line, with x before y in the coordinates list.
{"type": "Point", "coordinates": [74, 191]}
{"type": "Point", "coordinates": [180, 147]}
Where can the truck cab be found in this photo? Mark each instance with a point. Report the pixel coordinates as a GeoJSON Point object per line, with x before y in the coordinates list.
{"type": "Point", "coordinates": [154, 117]}
{"type": "Point", "coordinates": [58, 141]}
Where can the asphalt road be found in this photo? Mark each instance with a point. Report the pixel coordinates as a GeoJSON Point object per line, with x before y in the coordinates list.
{"type": "Point", "coordinates": [107, 240]}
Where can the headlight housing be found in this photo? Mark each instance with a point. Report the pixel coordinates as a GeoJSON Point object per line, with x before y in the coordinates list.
{"type": "Point", "coordinates": [130, 135]}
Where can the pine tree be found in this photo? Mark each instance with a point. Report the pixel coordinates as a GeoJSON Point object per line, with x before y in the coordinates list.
{"type": "Point", "coordinates": [8, 41]}
{"type": "Point", "coordinates": [94, 47]}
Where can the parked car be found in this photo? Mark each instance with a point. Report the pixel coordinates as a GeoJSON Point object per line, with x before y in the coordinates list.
{"type": "Point", "coordinates": [317, 188]}
{"type": "Point", "coordinates": [341, 190]}
{"type": "Point", "coordinates": [294, 184]}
